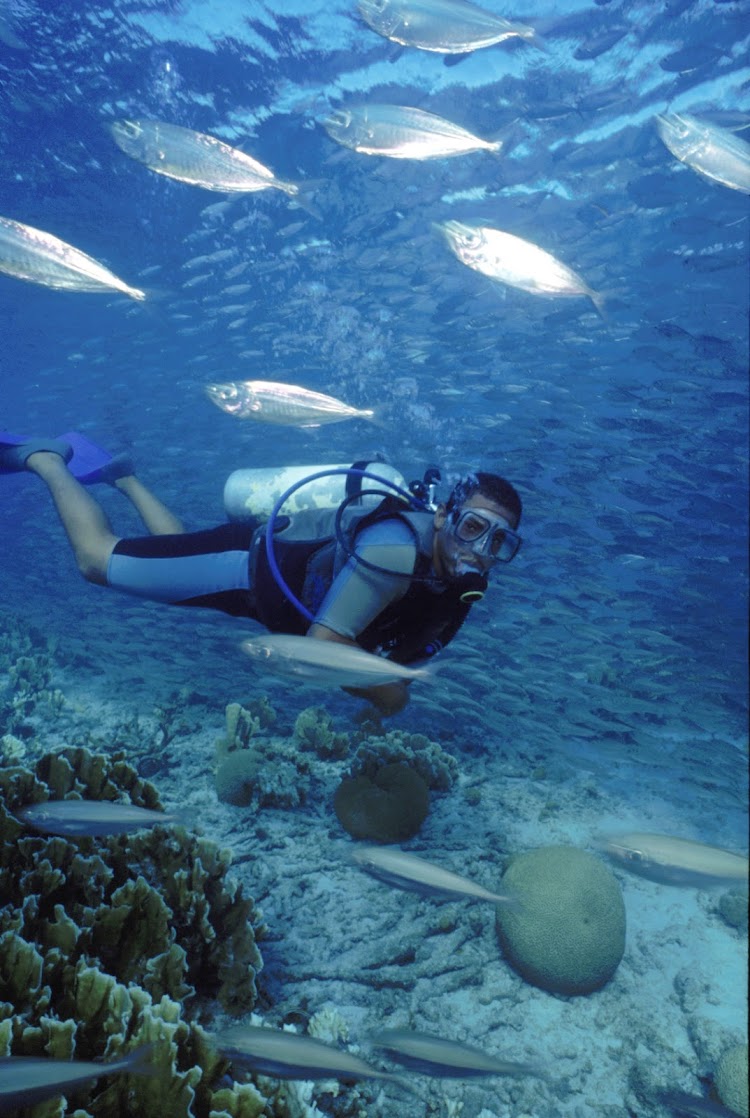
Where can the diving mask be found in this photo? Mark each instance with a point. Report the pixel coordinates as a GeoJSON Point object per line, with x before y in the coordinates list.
{"type": "Point", "coordinates": [486, 534]}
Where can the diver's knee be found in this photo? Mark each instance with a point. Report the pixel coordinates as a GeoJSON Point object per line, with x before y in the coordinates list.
{"type": "Point", "coordinates": [93, 563]}
{"type": "Point", "coordinates": [92, 571]}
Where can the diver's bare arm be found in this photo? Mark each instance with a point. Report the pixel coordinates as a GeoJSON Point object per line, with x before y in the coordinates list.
{"type": "Point", "coordinates": [389, 698]}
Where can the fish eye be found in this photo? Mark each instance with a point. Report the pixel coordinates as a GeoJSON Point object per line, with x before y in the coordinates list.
{"type": "Point", "coordinates": [131, 129]}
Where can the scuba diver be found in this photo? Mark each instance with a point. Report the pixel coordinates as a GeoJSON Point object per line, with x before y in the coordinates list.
{"type": "Point", "coordinates": [396, 577]}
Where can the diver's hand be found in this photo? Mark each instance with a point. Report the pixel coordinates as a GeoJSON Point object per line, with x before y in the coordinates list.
{"type": "Point", "coordinates": [388, 699]}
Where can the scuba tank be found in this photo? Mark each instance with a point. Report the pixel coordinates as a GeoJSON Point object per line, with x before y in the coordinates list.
{"type": "Point", "coordinates": [252, 494]}
{"type": "Point", "coordinates": [342, 496]}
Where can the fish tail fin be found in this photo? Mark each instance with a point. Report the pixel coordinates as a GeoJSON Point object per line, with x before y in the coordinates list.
{"type": "Point", "coordinates": [426, 672]}
{"type": "Point", "coordinates": [401, 1082]}
{"type": "Point", "coordinates": [536, 40]}
{"type": "Point", "coordinates": [377, 416]}
{"type": "Point", "coordinates": [510, 900]}
{"type": "Point", "coordinates": [183, 816]}
{"type": "Point", "coordinates": [604, 300]}
{"type": "Point", "coordinates": [599, 300]}
{"type": "Point", "coordinates": [302, 194]}
{"type": "Point", "coordinates": [136, 293]}
{"type": "Point", "coordinates": [505, 138]}
{"type": "Point", "coordinates": [140, 1060]}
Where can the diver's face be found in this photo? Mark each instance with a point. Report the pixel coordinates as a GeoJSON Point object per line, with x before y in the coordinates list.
{"type": "Point", "coordinates": [453, 556]}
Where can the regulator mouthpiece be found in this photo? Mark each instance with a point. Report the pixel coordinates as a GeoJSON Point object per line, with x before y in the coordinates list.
{"type": "Point", "coordinates": [471, 588]}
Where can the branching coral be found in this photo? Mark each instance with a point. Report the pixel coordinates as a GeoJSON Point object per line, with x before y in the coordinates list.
{"type": "Point", "coordinates": [437, 768]}
{"type": "Point", "coordinates": [313, 730]}
{"type": "Point", "coordinates": [253, 768]}
{"type": "Point", "coordinates": [103, 944]}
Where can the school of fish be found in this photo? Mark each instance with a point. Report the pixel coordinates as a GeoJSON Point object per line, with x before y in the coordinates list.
{"type": "Point", "coordinates": [399, 132]}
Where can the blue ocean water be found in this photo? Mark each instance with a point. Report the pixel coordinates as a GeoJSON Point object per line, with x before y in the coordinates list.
{"type": "Point", "coordinates": [615, 645]}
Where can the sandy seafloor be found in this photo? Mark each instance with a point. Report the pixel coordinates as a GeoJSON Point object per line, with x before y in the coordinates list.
{"type": "Point", "coordinates": [382, 957]}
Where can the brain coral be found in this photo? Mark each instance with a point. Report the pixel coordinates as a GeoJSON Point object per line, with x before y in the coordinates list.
{"type": "Point", "coordinates": [731, 1079]}
{"type": "Point", "coordinates": [389, 806]}
{"type": "Point", "coordinates": [568, 935]}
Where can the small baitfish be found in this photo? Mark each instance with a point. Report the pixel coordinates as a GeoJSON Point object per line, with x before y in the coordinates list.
{"type": "Point", "coordinates": [675, 861]}
{"type": "Point", "coordinates": [510, 259]}
{"type": "Point", "coordinates": [287, 1055]}
{"type": "Point", "coordinates": [27, 1080]}
{"type": "Point", "coordinates": [433, 1055]}
{"type": "Point", "coordinates": [401, 132]}
{"type": "Point", "coordinates": [328, 663]}
{"type": "Point", "coordinates": [30, 254]}
{"type": "Point", "coordinates": [408, 871]}
{"type": "Point", "coordinates": [195, 158]}
{"type": "Point", "coordinates": [442, 26]}
{"type": "Point", "coordinates": [714, 152]}
{"type": "Point", "coordinates": [267, 401]}
{"type": "Point", "coordinates": [94, 818]}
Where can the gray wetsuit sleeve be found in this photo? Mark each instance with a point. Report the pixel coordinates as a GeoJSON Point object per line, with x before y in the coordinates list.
{"type": "Point", "coordinates": [357, 595]}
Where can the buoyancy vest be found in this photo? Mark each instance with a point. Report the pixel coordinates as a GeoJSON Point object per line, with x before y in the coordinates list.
{"type": "Point", "coordinates": [415, 627]}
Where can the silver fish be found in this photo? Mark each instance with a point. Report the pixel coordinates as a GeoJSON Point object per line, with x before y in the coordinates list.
{"type": "Point", "coordinates": [401, 132]}
{"type": "Point", "coordinates": [195, 158]}
{"type": "Point", "coordinates": [30, 254]}
{"type": "Point", "coordinates": [27, 1080]}
{"type": "Point", "coordinates": [329, 663]}
{"type": "Point", "coordinates": [675, 861]}
{"type": "Point", "coordinates": [287, 1055]}
{"type": "Point", "coordinates": [434, 1055]}
{"type": "Point", "coordinates": [407, 871]}
{"type": "Point", "coordinates": [442, 26]}
{"type": "Point", "coordinates": [510, 259]}
{"type": "Point", "coordinates": [267, 401]}
{"type": "Point", "coordinates": [714, 152]}
{"type": "Point", "coordinates": [90, 817]}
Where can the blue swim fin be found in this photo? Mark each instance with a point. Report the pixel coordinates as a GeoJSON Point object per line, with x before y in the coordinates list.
{"type": "Point", "coordinates": [88, 458]}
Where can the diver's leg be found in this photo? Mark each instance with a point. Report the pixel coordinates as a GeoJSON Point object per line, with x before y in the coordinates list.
{"type": "Point", "coordinates": [86, 526]}
{"type": "Point", "coordinates": [156, 516]}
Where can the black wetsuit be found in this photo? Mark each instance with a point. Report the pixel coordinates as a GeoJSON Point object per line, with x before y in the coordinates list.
{"type": "Point", "coordinates": [406, 617]}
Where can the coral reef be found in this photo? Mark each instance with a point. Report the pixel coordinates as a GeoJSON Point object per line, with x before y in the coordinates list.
{"type": "Point", "coordinates": [438, 769]}
{"type": "Point", "coordinates": [12, 749]}
{"type": "Point", "coordinates": [235, 778]}
{"type": "Point", "coordinates": [389, 806]}
{"type": "Point", "coordinates": [154, 907]}
{"type": "Point", "coordinates": [26, 660]}
{"type": "Point", "coordinates": [313, 731]}
{"type": "Point", "coordinates": [103, 944]}
{"type": "Point", "coordinates": [731, 1079]}
{"type": "Point", "coordinates": [253, 768]}
{"type": "Point", "coordinates": [732, 907]}
{"type": "Point", "coordinates": [568, 936]}
{"type": "Point", "coordinates": [241, 726]}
